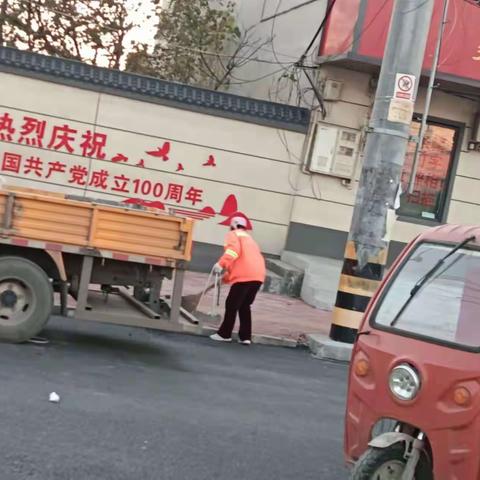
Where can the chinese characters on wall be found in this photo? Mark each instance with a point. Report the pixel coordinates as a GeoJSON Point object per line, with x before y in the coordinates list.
{"type": "Point", "coordinates": [104, 174]}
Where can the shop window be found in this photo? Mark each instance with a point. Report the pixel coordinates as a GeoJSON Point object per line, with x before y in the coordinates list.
{"type": "Point", "coordinates": [434, 172]}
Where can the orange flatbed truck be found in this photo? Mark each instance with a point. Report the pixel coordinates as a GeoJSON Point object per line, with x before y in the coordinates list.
{"type": "Point", "coordinates": [111, 259]}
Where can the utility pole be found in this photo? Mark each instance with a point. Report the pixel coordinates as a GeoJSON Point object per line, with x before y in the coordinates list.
{"type": "Point", "coordinates": [378, 192]}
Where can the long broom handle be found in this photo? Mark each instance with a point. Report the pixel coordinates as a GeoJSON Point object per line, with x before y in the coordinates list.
{"type": "Point", "coordinates": [212, 312]}
{"type": "Point", "coordinates": [205, 290]}
{"type": "Point", "coordinates": [216, 294]}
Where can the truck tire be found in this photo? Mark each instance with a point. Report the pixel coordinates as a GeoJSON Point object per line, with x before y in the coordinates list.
{"type": "Point", "coordinates": [26, 299]}
{"type": "Point", "coordinates": [388, 464]}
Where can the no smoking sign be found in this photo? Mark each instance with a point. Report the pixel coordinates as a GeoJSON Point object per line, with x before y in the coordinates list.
{"type": "Point", "coordinates": [404, 86]}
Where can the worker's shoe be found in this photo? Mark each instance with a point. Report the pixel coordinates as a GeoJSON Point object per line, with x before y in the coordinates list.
{"type": "Point", "coordinates": [245, 342]}
{"type": "Point", "coordinates": [218, 338]}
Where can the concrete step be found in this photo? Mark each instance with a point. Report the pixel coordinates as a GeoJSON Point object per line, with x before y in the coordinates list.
{"type": "Point", "coordinates": [273, 283]}
{"type": "Point", "coordinates": [282, 268]}
{"type": "Point", "coordinates": [321, 278]}
{"type": "Point", "coordinates": [291, 275]}
{"type": "Point", "coordinates": [299, 260]}
{"type": "Point", "coordinates": [324, 348]}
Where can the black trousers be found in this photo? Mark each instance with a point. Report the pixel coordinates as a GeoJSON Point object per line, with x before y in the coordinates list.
{"type": "Point", "coordinates": [239, 300]}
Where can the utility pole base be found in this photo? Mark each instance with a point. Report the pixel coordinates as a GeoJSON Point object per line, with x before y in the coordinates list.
{"type": "Point", "coordinates": [355, 290]}
{"type": "Point", "coordinates": [343, 334]}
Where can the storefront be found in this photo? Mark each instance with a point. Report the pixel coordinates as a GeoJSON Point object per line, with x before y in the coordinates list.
{"type": "Point", "coordinates": [448, 173]}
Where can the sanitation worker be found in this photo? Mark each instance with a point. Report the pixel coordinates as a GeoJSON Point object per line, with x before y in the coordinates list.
{"type": "Point", "coordinates": [245, 271]}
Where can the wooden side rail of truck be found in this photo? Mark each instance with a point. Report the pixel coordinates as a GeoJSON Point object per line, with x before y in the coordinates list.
{"type": "Point", "coordinates": [51, 243]}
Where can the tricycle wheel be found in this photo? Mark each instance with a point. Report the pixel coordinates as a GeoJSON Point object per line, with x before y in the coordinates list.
{"type": "Point", "coordinates": [388, 464]}
{"type": "Point", "coordinates": [26, 299]}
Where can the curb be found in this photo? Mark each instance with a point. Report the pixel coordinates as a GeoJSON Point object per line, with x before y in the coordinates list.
{"type": "Point", "coordinates": [256, 338]}
{"type": "Point", "coordinates": [323, 348]}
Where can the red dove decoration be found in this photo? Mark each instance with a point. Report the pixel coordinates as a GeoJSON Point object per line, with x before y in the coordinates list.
{"type": "Point", "coordinates": [155, 204]}
{"type": "Point", "coordinates": [119, 157]}
{"type": "Point", "coordinates": [230, 206]}
{"type": "Point", "coordinates": [208, 211]}
{"type": "Point", "coordinates": [161, 152]}
{"type": "Point", "coordinates": [180, 168]}
{"type": "Point", "coordinates": [133, 201]}
{"type": "Point", "coordinates": [141, 163]}
{"type": "Point", "coordinates": [210, 162]}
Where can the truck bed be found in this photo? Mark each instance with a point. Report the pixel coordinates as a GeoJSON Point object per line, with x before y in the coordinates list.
{"type": "Point", "coordinates": [52, 218]}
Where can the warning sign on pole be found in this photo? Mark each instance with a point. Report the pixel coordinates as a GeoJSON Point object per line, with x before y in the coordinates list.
{"type": "Point", "coordinates": [400, 111]}
{"type": "Point", "coordinates": [404, 86]}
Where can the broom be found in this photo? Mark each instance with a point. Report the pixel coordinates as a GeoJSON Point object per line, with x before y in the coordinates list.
{"type": "Point", "coordinates": [190, 302]}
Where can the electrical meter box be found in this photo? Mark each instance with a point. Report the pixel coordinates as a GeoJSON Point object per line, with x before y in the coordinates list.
{"type": "Point", "coordinates": [333, 151]}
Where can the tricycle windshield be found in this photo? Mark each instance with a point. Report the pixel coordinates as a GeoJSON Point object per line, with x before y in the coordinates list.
{"type": "Point", "coordinates": [447, 306]}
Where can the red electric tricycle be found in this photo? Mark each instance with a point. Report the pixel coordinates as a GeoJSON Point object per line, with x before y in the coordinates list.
{"type": "Point", "coordinates": [414, 385]}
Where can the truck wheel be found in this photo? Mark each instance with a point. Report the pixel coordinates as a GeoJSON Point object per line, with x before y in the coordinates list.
{"type": "Point", "coordinates": [26, 299]}
{"type": "Point", "coordinates": [388, 464]}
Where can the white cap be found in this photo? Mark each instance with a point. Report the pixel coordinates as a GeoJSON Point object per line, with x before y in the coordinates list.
{"type": "Point", "coordinates": [238, 222]}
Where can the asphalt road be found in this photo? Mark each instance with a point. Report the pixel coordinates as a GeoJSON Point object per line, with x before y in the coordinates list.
{"type": "Point", "coordinates": [136, 405]}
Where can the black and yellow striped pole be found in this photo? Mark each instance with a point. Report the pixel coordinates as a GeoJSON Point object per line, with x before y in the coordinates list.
{"type": "Point", "coordinates": [354, 292]}
{"type": "Point", "coordinates": [388, 135]}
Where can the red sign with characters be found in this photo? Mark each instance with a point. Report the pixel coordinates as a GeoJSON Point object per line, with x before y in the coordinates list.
{"type": "Point", "coordinates": [358, 30]}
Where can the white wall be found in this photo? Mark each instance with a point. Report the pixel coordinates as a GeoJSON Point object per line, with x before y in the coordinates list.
{"type": "Point", "coordinates": [292, 31]}
{"type": "Point", "coordinates": [252, 162]}
{"type": "Point", "coordinates": [324, 202]}
{"type": "Point", "coordinates": [321, 200]}
{"type": "Point", "coordinates": [259, 165]}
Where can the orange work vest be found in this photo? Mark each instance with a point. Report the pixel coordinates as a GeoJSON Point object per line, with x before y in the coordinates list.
{"type": "Point", "coordinates": [242, 258]}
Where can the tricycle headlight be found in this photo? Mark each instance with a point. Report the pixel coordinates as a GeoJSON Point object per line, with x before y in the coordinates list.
{"type": "Point", "coordinates": [404, 382]}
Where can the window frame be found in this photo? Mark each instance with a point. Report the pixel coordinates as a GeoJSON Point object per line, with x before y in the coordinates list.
{"type": "Point", "coordinates": [459, 128]}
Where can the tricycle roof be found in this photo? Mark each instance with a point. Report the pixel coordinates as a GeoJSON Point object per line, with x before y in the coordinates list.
{"type": "Point", "coordinates": [451, 233]}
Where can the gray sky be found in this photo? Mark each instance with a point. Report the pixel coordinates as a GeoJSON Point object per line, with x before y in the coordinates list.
{"type": "Point", "coordinates": [146, 31]}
